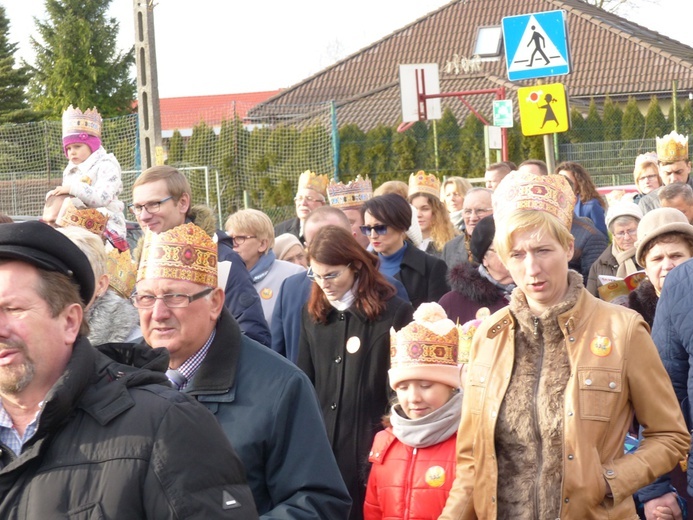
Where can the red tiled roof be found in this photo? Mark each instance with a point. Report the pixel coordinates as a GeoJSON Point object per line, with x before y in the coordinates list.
{"type": "Point", "coordinates": [610, 56]}
{"type": "Point", "coordinates": [180, 113]}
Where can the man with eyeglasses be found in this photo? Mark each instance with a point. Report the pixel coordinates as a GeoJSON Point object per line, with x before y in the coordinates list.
{"type": "Point", "coordinates": [266, 406]}
{"type": "Point", "coordinates": [162, 200]}
{"type": "Point", "coordinates": [310, 195]}
{"type": "Point", "coordinates": [477, 205]}
{"type": "Point", "coordinates": [674, 167]}
{"type": "Point", "coordinates": [95, 432]}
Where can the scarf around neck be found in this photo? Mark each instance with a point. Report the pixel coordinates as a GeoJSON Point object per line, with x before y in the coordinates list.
{"type": "Point", "coordinates": [431, 429]}
{"type": "Point", "coordinates": [624, 259]}
{"type": "Point", "coordinates": [262, 267]}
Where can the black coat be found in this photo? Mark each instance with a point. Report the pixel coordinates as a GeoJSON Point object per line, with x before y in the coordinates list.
{"type": "Point", "coordinates": [423, 276]}
{"type": "Point", "coordinates": [644, 300]}
{"type": "Point", "coordinates": [114, 441]}
{"type": "Point", "coordinates": [293, 226]}
{"type": "Point", "coordinates": [352, 388]}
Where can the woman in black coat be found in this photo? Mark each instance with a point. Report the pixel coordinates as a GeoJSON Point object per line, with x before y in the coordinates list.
{"type": "Point", "coordinates": [344, 348]}
{"type": "Point", "coordinates": [387, 218]}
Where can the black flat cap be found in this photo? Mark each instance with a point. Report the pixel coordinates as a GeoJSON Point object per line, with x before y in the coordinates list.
{"type": "Point", "coordinates": [482, 237]}
{"type": "Point", "coordinates": [40, 245]}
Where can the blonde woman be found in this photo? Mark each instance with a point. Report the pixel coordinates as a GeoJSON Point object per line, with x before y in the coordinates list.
{"type": "Point", "coordinates": [452, 193]}
{"type": "Point", "coordinates": [252, 235]}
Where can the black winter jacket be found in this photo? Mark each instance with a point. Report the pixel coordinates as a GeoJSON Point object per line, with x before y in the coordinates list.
{"type": "Point", "coordinates": [116, 442]}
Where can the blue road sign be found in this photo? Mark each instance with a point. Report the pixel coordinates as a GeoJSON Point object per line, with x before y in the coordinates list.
{"type": "Point", "coordinates": [536, 45]}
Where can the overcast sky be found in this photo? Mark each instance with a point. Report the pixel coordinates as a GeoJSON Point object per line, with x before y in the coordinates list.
{"type": "Point", "coordinates": [228, 46]}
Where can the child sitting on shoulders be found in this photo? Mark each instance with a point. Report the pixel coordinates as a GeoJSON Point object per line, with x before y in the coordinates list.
{"type": "Point", "coordinates": [413, 459]}
{"type": "Point", "coordinates": [92, 175]}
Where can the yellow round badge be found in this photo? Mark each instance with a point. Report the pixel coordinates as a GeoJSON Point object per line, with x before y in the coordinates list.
{"type": "Point", "coordinates": [266, 293]}
{"type": "Point", "coordinates": [601, 346]}
{"type": "Point", "coordinates": [435, 476]}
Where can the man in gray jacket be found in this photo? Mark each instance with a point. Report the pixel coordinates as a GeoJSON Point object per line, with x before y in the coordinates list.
{"type": "Point", "coordinates": [83, 435]}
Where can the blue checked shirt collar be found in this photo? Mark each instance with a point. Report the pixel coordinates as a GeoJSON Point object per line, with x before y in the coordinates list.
{"type": "Point", "coordinates": [190, 366]}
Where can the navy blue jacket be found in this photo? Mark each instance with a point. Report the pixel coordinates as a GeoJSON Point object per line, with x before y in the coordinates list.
{"type": "Point", "coordinates": [672, 332]}
{"type": "Point", "coordinates": [286, 318]}
{"type": "Point", "coordinates": [268, 409]}
{"type": "Point", "coordinates": [242, 299]}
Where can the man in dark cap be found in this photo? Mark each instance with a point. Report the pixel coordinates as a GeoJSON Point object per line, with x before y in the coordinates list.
{"type": "Point", "coordinates": [82, 434]}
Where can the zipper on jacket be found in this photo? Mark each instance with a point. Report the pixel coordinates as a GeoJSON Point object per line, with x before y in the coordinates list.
{"type": "Point", "coordinates": [407, 489]}
{"type": "Point", "coordinates": [537, 429]}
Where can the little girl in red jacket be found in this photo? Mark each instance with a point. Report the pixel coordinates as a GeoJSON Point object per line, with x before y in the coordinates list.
{"type": "Point", "coordinates": [413, 459]}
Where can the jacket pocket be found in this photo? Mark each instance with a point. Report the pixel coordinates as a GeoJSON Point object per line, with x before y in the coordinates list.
{"type": "Point", "coordinates": [86, 512]}
{"type": "Point", "coordinates": [599, 389]}
{"type": "Point", "coordinates": [475, 389]}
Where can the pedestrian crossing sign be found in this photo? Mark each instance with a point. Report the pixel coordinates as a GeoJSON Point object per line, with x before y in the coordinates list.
{"type": "Point", "coordinates": [543, 109]}
{"type": "Point", "coordinates": [536, 45]}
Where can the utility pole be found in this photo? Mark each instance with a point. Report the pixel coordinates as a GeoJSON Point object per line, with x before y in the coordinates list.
{"type": "Point", "coordinates": [151, 151]}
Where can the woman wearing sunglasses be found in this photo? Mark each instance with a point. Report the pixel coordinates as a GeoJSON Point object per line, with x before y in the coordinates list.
{"type": "Point", "coordinates": [386, 220]}
{"type": "Point", "coordinates": [345, 348]}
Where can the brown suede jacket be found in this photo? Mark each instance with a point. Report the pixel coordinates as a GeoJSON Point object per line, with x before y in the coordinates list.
{"type": "Point", "coordinates": [613, 372]}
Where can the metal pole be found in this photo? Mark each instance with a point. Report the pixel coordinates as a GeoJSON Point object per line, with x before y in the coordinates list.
{"type": "Point", "coordinates": [149, 119]}
{"type": "Point", "coordinates": [335, 140]}
{"type": "Point", "coordinates": [673, 106]}
{"type": "Point", "coordinates": [548, 150]}
{"type": "Point", "coordinates": [435, 144]}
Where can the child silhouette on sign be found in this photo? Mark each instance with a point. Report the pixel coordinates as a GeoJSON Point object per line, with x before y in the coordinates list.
{"type": "Point", "coordinates": [539, 43]}
{"type": "Point", "coordinates": [550, 114]}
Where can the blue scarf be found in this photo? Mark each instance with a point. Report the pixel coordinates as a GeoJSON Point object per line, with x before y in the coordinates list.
{"type": "Point", "coordinates": [262, 267]}
{"type": "Point", "coordinates": [390, 265]}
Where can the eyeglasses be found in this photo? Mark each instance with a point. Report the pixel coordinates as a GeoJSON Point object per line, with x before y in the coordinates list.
{"type": "Point", "coordinates": [380, 229]}
{"type": "Point", "coordinates": [307, 198]}
{"type": "Point", "coordinates": [327, 277]}
{"type": "Point", "coordinates": [172, 301]}
{"type": "Point", "coordinates": [648, 177]}
{"type": "Point", "coordinates": [238, 240]}
{"type": "Point", "coordinates": [631, 233]}
{"type": "Point", "coordinates": [478, 212]}
{"type": "Point", "coordinates": [151, 207]}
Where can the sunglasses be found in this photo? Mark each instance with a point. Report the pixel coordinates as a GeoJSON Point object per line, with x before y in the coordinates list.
{"type": "Point", "coordinates": [380, 229]}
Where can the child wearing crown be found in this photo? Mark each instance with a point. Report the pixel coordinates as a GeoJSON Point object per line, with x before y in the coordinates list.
{"type": "Point", "coordinates": [92, 175]}
{"type": "Point", "coordinates": [414, 458]}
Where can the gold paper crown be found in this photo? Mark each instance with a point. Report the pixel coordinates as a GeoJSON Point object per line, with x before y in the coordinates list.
{"type": "Point", "coordinates": [420, 182]}
{"type": "Point", "coordinates": [122, 272]}
{"type": "Point", "coordinates": [351, 195]}
{"type": "Point", "coordinates": [184, 253]}
{"type": "Point", "coordinates": [418, 344]}
{"type": "Point", "coordinates": [77, 122]}
{"type": "Point", "coordinates": [672, 148]}
{"type": "Point", "coordinates": [313, 181]}
{"type": "Point", "coordinates": [90, 219]}
{"type": "Point", "coordinates": [466, 332]}
{"type": "Point", "coordinates": [526, 191]}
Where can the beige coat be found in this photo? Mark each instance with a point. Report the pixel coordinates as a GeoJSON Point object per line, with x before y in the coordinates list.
{"type": "Point", "coordinates": [615, 372]}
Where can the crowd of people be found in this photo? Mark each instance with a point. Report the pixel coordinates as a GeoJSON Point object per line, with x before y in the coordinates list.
{"type": "Point", "coordinates": [313, 368]}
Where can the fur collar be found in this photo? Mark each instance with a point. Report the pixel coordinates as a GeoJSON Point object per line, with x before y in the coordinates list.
{"type": "Point", "coordinates": [465, 279]}
{"type": "Point", "coordinates": [644, 300]}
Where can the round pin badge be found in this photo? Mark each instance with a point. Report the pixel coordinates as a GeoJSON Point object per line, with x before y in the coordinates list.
{"type": "Point", "coordinates": [266, 293]}
{"type": "Point", "coordinates": [353, 345]}
{"type": "Point", "coordinates": [435, 476]}
{"type": "Point", "coordinates": [600, 346]}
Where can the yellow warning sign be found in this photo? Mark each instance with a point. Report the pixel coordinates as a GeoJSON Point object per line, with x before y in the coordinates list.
{"type": "Point", "coordinates": [543, 109]}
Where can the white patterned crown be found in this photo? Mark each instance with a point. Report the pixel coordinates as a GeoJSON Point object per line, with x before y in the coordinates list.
{"type": "Point", "coordinates": [351, 195]}
{"type": "Point", "coordinates": [77, 122]}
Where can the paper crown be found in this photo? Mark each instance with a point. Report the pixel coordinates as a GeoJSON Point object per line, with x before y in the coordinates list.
{"type": "Point", "coordinates": [351, 195]}
{"type": "Point", "coordinates": [672, 148]}
{"type": "Point", "coordinates": [426, 348]}
{"type": "Point", "coordinates": [313, 181]}
{"type": "Point", "coordinates": [526, 191]}
{"type": "Point", "coordinates": [90, 219]}
{"type": "Point", "coordinates": [122, 272]}
{"type": "Point", "coordinates": [77, 122]}
{"type": "Point", "coordinates": [184, 253]}
{"type": "Point", "coordinates": [420, 182]}
{"type": "Point", "coordinates": [649, 157]}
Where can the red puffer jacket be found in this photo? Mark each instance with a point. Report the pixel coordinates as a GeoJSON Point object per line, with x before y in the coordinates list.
{"type": "Point", "coordinates": [408, 483]}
